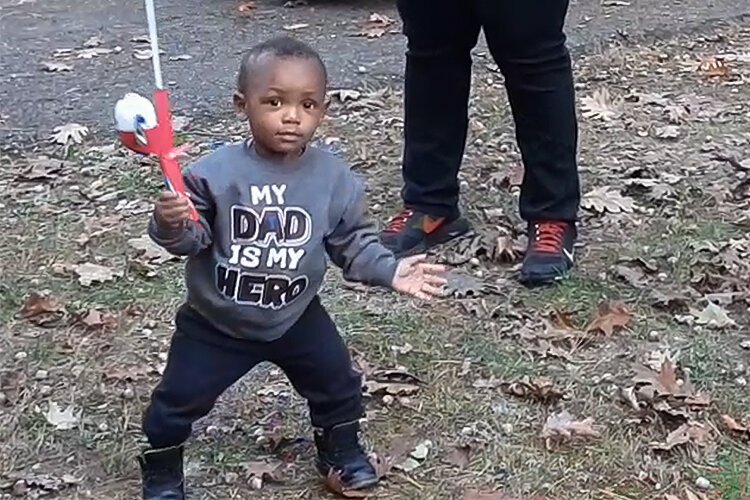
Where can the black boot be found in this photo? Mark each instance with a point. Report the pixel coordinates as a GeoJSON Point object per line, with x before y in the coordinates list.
{"type": "Point", "coordinates": [163, 478]}
{"type": "Point", "coordinates": [339, 450]}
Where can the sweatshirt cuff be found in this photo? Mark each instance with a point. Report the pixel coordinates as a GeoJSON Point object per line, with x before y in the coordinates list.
{"type": "Point", "coordinates": [162, 236]}
{"type": "Point", "coordinates": [385, 271]}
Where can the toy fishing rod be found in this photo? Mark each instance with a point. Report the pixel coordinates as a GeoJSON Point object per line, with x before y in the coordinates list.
{"type": "Point", "coordinates": [146, 128]}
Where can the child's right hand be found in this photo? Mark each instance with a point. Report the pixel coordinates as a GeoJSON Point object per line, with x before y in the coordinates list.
{"type": "Point", "coordinates": [172, 210]}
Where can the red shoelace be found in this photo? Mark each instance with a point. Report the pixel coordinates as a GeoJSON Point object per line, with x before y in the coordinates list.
{"type": "Point", "coordinates": [399, 221]}
{"type": "Point", "coordinates": [549, 237]}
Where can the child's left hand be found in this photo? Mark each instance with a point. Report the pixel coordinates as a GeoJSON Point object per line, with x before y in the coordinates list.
{"type": "Point", "coordinates": [418, 278]}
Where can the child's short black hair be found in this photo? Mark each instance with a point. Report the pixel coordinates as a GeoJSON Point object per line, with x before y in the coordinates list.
{"type": "Point", "coordinates": [279, 47]}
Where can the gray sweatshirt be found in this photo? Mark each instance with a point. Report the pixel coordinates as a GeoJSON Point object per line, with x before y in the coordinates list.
{"type": "Point", "coordinates": [257, 257]}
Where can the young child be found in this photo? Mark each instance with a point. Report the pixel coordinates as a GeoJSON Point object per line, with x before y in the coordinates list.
{"type": "Point", "coordinates": [272, 210]}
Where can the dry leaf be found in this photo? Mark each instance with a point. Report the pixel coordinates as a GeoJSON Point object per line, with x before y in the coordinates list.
{"type": "Point", "coordinates": [607, 199]}
{"type": "Point", "coordinates": [375, 26]}
{"type": "Point", "coordinates": [334, 483]}
{"type": "Point", "coordinates": [668, 132]}
{"type": "Point", "coordinates": [664, 383]}
{"type": "Point", "coordinates": [462, 285]}
{"type": "Point", "coordinates": [89, 273]}
{"type": "Point", "coordinates": [42, 309]}
{"type": "Point", "coordinates": [150, 251]}
{"type": "Point", "coordinates": [344, 95]}
{"type": "Point", "coordinates": [95, 320]}
{"type": "Point", "coordinates": [415, 458]}
{"type": "Point", "coordinates": [506, 249]}
{"type": "Point", "coordinates": [691, 433]}
{"type": "Point", "coordinates": [42, 169]}
{"type": "Point", "coordinates": [56, 67]}
{"type": "Point", "coordinates": [540, 388]}
{"type": "Point", "coordinates": [62, 420]}
{"type": "Point", "coordinates": [734, 426]}
{"type": "Point", "coordinates": [562, 425]}
{"type": "Point", "coordinates": [266, 472]}
{"type": "Point", "coordinates": [71, 131]}
{"type": "Point", "coordinates": [609, 317]}
{"type": "Point", "coordinates": [634, 277]}
{"type": "Point", "coordinates": [714, 316]}
{"type": "Point", "coordinates": [713, 67]}
{"type": "Point", "coordinates": [246, 8]}
{"type": "Point", "coordinates": [601, 105]}
{"type": "Point", "coordinates": [392, 382]}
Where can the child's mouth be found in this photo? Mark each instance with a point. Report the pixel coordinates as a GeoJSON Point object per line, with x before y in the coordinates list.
{"type": "Point", "coordinates": [289, 136]}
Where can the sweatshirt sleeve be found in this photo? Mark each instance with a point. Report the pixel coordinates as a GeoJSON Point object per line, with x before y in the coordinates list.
{"type": "Point", "coordinates": [195, 236]}
{"type": "Point", "coordinates": [354, 246]}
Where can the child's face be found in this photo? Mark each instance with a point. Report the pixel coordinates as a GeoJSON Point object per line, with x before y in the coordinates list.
{"type": "Point", "coordinates": [285, 104]}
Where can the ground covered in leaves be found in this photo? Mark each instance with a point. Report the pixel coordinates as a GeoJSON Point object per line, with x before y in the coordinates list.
{"type": "Point", "coordinates": [627, 381]}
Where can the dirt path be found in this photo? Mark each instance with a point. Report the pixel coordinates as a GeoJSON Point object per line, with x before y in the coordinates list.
{"type": "Point", "coordinates": [213, 34]}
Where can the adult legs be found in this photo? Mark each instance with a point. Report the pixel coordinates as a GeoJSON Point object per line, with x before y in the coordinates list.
{"type": "Point", "coordinates": [528, 43]}
{"type": "Point", "coordinates": [441, 35]}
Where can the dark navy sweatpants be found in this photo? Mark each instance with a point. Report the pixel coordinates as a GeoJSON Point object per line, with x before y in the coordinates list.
{"type": "Point", "coordinates": [203, 363]}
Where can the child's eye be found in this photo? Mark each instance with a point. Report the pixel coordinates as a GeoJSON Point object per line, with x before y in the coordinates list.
{"type": "Point", "coordinates": [309, 105]}
{"type": "Point", "coordinates": [274, 101]}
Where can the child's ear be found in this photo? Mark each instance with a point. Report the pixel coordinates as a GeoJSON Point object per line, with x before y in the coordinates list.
{"type": "Point", "coordinates": [240, 101]}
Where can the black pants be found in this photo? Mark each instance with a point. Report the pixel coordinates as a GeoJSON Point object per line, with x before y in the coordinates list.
{"type": "Point", "coordinates": [203, 363]}
{"type": "Point", "coordinates": [527, 42]}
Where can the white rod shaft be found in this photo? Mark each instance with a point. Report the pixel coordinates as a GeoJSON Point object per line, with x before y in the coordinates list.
{"type": "Point", "coordinates": [151, 16]}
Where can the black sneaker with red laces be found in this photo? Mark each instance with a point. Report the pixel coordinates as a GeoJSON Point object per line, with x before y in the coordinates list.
{"type": "Point", "coordinates": [549, 256]}
{"type": "Point", "coordinates": [411, 232]}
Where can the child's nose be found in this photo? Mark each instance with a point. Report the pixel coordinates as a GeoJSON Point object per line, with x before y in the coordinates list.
{"type": "Point", "coordinates": [291, 114]}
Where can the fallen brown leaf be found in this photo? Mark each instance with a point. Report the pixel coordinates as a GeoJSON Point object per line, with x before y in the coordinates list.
{"type": "Point", "coordinates": [601, 105]}
{"type": "Point", "coordinates": [606, 199]}
{"type": "Point", "coordinates": [96, 320]}
{"type": "Point", "coordinates": [540, 388]}
{"type": "Point", "coordinates": [713, 67]}
{"type": "Point", "coordinates": [609, 317]}
{"type": "Point", "coordinates": [149, 251]}
{"type": "Point", "coordinates": [392, 382]}
{"type": "Point", "coordinates": [375, 26]}
{"type": "Point", "coordinates": [691, 433]}
{"type": "Point", "coordinates": [334, 483]}
{"type": "Point", "coordinates": [246, 8]}
{"type": "Point", "coordinates": [664, 382]}
{"type": "Point", "coordinates": [732, 425]}
{"type": "Point", "coordinates": [42, 309]}
{"type": "Point", "coordinates": [89, 273]}
{"type": "Point", "coordinates": [506, 249]}
{"type": "Point", "coordinates": [563, 426]}
{"type": "Point", "coordinates": [43, 169]}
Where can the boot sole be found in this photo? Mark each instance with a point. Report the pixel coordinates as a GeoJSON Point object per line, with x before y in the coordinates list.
{"type": "Point", "coordinates": [363, 485]}
{"type": "Point", "coordinates": [449, 232]}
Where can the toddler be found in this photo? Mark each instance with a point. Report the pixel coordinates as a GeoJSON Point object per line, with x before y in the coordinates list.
{"type": "Point", "coordinates": [272, 211]}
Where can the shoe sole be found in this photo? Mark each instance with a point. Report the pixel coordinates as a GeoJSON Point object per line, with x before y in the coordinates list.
{"type": "Point", "coordinates": [449, 232]}
{"type": "Point", "coordinates": [536, 280]}
{"type": "Point", "coordinates": [364, 485]}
